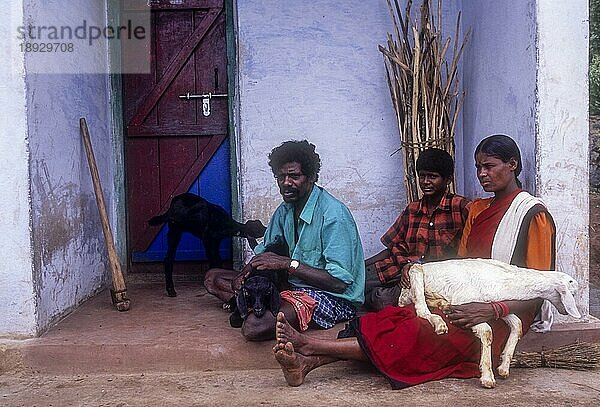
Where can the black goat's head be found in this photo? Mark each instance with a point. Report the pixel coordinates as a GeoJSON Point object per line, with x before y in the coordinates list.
{"type": "Point", "coordinates": [258, 294]}
{"type": "Point", "coordinates": [253, 229]}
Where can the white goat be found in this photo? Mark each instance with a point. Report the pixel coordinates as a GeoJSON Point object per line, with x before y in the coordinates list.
{"type": "Point", "coordinates": [455, 282]}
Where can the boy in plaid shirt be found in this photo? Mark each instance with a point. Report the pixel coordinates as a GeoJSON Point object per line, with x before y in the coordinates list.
{"type": "Point", "coordinates": [427, 230]}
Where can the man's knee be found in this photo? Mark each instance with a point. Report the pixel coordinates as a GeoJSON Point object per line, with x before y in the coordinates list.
{"type": "Point", "coordinates": [259, 329]}
{"type": "Point", "coordinates": [210, 279]}
{"type": "Point", "coordinates": [216, 278]}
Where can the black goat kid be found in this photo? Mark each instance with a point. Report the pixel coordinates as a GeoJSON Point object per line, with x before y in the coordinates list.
{"type": "Point", "coordinates": [205, 220]}
{"type": "Point", "coordinates": [260, 290]}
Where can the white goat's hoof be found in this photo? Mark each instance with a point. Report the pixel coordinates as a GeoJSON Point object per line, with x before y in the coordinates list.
{"type": "Point", "coordinates": [503, 371]}
{"type": "Point", "coordinates": [438, 324]}
{"type": "Point", "coordinates": [488, 383]}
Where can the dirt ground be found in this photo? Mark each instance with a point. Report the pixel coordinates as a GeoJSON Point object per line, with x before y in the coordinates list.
{"type": "Point", "coordinates": [346, 386]}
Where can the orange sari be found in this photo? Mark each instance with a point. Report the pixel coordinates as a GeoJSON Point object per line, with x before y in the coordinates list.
{"type": "Point", "coordinates": [539, 251]}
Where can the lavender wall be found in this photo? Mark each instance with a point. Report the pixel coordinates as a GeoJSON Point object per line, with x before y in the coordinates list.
{"type": "Point", "coordinates": [499, 76]}
{"type": "Point", "coordinates": [68, 247]}
{"type": "Point", "coordinates": [312, 70]}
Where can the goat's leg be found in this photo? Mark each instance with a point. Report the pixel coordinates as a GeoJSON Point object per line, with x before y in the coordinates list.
{"type": "Point", "coordinates": [173, 238]}
{"type": "Point", "coordinates": [212, 252]}
{"type": "Point", "coordinates": [516, 331]}
{"type": "Point", "coordinates": [484, 332]}
{"type": "Point", "coordinates": [405, 297]}
{"type": "Point", "coordinates": [417, 292]}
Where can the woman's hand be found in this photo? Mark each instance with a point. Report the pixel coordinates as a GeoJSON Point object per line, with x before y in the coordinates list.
{"type": "Point", "coordinates": [270, 261]}
{"type": "Point", "coordinates": [470, 314]}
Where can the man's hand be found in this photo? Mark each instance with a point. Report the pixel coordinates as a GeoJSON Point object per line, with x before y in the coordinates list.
{"type": "Point", "coordinates": [405, 280]}
{"type": "Point", "coordinates": [238, 281]}
{"type": "Point", "coordinates": [270, 261]}
{"type": "Point", "coordinates": [263, 261]}
{"type": "Point", "coordinates": [471, 314]}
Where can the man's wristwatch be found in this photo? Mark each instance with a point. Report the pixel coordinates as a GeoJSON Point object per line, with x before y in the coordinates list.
{"type": "Point", "coordinates": [293, 266]}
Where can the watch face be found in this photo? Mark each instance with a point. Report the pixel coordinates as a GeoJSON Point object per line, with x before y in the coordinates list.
{"type": "Point", "coordinates": [294, 264]}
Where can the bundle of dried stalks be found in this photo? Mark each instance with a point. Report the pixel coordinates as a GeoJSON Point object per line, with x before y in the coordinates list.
{"type": "Point", "coordinates": [575, 356]}
{"type": "Point", "coordinates": [423, 85]}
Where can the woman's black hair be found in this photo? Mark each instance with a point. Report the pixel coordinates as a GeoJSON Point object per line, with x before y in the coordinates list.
{"type": "Point", "coordinates": [503, 148]}
{"type": "Point", "coordinates": [301, 152]}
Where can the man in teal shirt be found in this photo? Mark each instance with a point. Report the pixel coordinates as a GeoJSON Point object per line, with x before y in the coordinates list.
{"type": "Point", "coordinates": [325, 263]}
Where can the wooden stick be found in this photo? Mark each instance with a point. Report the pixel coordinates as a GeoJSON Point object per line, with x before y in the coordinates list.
{"type": "Point", "coordinates": [423, 83]}
{"type": "Point", "coordinates": [119, 291]}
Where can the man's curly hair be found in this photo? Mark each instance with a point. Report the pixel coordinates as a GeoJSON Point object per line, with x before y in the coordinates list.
{"type": "Point", "coordinates": [302, 152]}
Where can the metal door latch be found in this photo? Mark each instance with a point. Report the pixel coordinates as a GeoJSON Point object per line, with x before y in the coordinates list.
{"type": "Point", "coordinates": [206, 97]}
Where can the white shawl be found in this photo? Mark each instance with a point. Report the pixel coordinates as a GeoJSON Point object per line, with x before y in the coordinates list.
{"type": "Point", "coordinates": [505, 241]}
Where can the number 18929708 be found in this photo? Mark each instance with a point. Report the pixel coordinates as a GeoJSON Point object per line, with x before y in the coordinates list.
{"type": "Point", "coordinates": [47, 47]}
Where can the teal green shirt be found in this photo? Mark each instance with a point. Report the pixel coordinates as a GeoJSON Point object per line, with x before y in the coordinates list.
{"type": "Point", "coordinates": [328, 239]}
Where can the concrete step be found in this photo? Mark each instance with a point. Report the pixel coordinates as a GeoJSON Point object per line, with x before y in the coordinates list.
{"type": "Point", "coordinates": [190, 332]}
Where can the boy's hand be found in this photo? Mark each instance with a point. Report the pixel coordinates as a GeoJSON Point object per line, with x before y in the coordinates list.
{"type": "Point", "coordinates": [405, 280]}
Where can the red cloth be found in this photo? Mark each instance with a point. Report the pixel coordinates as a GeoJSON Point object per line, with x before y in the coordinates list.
{"type": "Point", "coordinates": [483, 230]}
{"type": "Point", "coordinates": [303, 304]}
{"type": "Point", "coordinates": [407, 351]}
{"type": "Point", "coordinates": [418, 235]}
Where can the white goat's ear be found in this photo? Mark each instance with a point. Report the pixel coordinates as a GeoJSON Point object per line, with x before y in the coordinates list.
{"type": "Point", "coordinates": [567, 299]}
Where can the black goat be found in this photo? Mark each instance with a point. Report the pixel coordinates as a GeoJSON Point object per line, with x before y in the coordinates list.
{"type": "Point", "coordinates": [205, 220]}
{"type": "Point", "coordinates": [260, 290]}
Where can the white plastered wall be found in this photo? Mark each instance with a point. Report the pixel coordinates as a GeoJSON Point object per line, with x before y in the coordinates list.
{"type": "Point", "coordinates": [562, 132]}
{"type": "Point", "coordinates": [69, 251]}
{"type": "Point", "coordinates": [17, 298]}
{"type": "Point", "coordinates": [52, 253]}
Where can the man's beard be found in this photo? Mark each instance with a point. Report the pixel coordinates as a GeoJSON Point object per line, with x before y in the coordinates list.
{"type": "Point", "coordinates": [289, 194]}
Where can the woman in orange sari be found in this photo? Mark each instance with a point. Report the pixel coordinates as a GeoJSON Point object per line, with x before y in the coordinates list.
{"type": "Point", "coordinates": [512, 226]}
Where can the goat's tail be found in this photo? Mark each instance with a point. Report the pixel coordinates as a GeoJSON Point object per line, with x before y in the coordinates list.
{"type": "Point", "coordinates": [158, 220]}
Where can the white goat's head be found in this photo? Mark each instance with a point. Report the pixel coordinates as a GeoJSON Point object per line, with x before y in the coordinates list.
{"type": "Point", "coordinates": [563, 297]}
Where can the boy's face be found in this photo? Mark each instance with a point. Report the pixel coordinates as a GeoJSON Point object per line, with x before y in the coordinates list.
{"type": "Point", "coordinates": [432, 183]}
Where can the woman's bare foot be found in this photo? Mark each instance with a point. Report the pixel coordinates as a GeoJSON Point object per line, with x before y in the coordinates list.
{"type": "Point", "coordinates": [285, 333]}
{"type": "Point", "coordinates": [292, 364]}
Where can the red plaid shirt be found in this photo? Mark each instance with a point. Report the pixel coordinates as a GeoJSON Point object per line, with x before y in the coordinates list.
{"type": "Point", "coordinates": [420, 236]}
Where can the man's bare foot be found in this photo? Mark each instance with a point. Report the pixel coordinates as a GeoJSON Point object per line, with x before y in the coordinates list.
{"type": "Point", "coordinates": [294, 365]}
{"type": "Point", "coordinates": [285, 333]}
